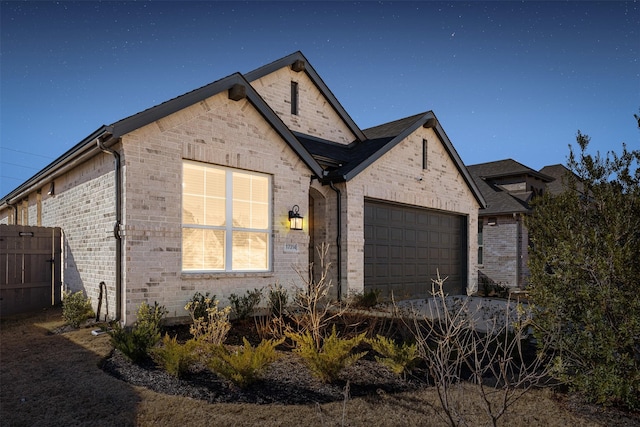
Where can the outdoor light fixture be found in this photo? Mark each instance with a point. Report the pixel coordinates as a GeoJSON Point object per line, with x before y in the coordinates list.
{"type": "Point", "coordinates": [295, 219]}
{"type": "Point", "coordinates": [52, 189]}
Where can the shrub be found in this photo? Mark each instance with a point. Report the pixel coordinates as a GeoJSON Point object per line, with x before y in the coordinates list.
{"type": "Point", "coordinates": [334, 355]}
{"type": "Point", "coordinates": [199, 304]}
{"type": "Point", "coordinates": [367, 299]}
{"type": "Point", "coordinates": [76, 308]}
{"type": "Point", "coordinates": [213, 328]}
{"type": "Point", "coordinates": [174, 357]}
{"type": "Point", "coordinates": [399, 358]}
{"type": "Point", "coordinates": [243, 306]}
{"type": "Point", "coordinates": [244, 366]}
{"type": "Point", "coordinates": [278, 300]}
{"type": "Point", "coordinates": [136, 341]}
{"type": "Point", "coordinates": [584, 274]}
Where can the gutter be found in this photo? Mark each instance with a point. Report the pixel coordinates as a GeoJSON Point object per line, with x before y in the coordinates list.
{"type": "Point", "coordinates": [72, 158]}
{"type": "Point", "coordinates": [116, 226]}
{"type": "Point", "coordinates": [338, 238]}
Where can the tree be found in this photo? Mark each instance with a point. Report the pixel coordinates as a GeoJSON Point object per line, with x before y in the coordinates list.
{"type": "Point", "coordinates": [585, 275]}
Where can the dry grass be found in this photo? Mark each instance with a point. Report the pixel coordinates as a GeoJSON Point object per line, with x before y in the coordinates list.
{"type": "Point", "coordinates": [55, 379]}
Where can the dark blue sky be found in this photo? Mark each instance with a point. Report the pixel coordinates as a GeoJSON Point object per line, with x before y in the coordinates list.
{"type": "Point", "coordinates": [506, 79]}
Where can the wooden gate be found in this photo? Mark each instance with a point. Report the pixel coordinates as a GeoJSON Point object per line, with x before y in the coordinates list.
{"type": "Point", "coordinates": [30, 268]}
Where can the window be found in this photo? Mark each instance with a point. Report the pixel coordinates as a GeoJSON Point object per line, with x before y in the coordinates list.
{"type": "Point", "coordinates": [226, 219]}
{"type": "Point", "coordinates": [294, 98]}
{"type": "Point", "coordinates": [424, 154]}
{"type": "Point", "coordinates": [480, 243]}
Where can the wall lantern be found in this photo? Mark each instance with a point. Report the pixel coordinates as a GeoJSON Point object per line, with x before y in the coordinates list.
{"type": "Point", "coordinates": [295, 219]}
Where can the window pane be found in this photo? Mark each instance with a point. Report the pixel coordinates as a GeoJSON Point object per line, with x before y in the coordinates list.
{"type": "Point", "coordinates": [215, 209]}
{"type": "Point", "coordinates": [250, 201]}
{"type": "Point", "coordinates": [193, 179]}
{"type": "Point", "coordinates": [192, 209]}
{"type": "Point", "coordinates": [202, 249]}
{"type": "Point", "coordinates": [250, 251]}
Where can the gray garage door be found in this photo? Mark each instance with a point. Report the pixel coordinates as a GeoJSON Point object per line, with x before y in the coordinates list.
{"type": "Point", "coordinates": [404, 246]}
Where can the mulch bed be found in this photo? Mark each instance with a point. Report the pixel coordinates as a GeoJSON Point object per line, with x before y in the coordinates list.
{"type": "Point", "coordinates": [286, 381]}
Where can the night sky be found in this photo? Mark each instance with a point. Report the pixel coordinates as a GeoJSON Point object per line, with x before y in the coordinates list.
{"type": "Point", "coordinates": [505, 79]}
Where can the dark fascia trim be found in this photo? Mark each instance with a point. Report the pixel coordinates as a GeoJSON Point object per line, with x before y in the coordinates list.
{"type": "Point", "coordinates": [83, 150]}
{"type": "Point", "coordinates": [316, 79]}
{"type": "Point", "coordinates": [88, 148]}
{"type": "Point", "coordinates": [235, 80]}
{"type": "Point", "coordinates": [439, 131]}
{"type": "Point", "coordinates": [523, 211]}
{"type": "Point", "coordinates": [531, 172]}
{"type": "Point", "coordinates": [430, 120]}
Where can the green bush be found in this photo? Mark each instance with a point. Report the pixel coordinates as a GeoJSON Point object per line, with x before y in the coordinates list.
{"type": "Point", "coordinates": [174, 357]}
{"type": "Point", "coordinates": [136, 341]}
{"type": "Point", "coordinates": [243, 306]}
{"type": "Point", "coordinates": [278, 300]}
{"type": "Point", "coordinates": [244, 366]}
{"type": "Point", "coordinates": [367, 299]}
{"type": "Point", "coordinates": [334, 355]}
{"type": "Point", "coordinates": [584, 275]}
{"type": "Point", "coordinates": [398, 358]}
{"type": "Point", "coordinates": [76, 308]}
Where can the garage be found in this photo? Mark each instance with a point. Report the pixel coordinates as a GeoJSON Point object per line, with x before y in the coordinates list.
{"type": "Point", "coordinates": [405, 246]}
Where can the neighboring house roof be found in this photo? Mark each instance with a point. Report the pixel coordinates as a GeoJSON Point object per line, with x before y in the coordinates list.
{"type": "Point", "coordinates": [328, 160]}
{"type": "Point", "coordinates": [499, 200]}
{"type": "Point", "coordinates": [505, 168]}
{"type": "Point", "coordinates": [561, 174]}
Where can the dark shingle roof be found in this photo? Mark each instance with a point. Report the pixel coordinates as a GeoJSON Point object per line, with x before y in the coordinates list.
{"type": "Point", "coordinates": [499, 200]}
{"type": "Point", "coordinates": [561, 174]}
{"type": "Point", "coordinates": [506, 167]}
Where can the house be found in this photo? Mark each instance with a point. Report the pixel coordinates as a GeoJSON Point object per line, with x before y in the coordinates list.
{"type": "Point", "coordinates": [204, 192]}
{"type": "Point", "coordinates": [503, 241]}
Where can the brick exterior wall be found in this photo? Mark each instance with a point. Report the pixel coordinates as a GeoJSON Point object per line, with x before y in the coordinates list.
{"type": "Point", "coordinates": [83, 206]}
{"type": "Point", "coordinates": [216, 131]}
{"type": "Point", "coordinates": [505, 251]}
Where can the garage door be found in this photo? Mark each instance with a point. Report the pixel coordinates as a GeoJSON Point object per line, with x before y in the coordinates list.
{"type": "Point", "coordinates": [404, 246]}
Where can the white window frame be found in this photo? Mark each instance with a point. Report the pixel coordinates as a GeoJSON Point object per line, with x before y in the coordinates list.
{"type": "Point", "coordinates": [228, 227]}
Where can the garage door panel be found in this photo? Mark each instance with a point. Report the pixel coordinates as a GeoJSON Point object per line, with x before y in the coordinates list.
{"type": "Point", "coordinates": [408, 245]}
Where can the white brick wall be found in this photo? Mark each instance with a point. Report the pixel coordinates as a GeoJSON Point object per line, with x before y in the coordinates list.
{"type": "Point", "coordinates": [217, 131]}
{"type": "Point", "coordinates": [315, 115]}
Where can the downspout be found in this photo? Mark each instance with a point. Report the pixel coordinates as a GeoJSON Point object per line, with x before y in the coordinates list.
{"type": "Point", "coordinates": [116, 225]}
{"type": "Point", "coordinates": [15, 212]}
{"type": "Point", "coordinates": [338, 238]}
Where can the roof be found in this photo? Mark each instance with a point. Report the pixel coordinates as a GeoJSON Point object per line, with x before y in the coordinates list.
{"type": "Point", "coordinates": [343, 162]}
{"type": "Point", "coordinates": [110, 135]}
{"type": "Point", "coordinates": [499, 200]}
{"type": "Point", "coordinates": [505, 168]}
{"type": "Point", "coordinates": [562, 174]}
{"type": "Point", "coordinates": [329, 161]}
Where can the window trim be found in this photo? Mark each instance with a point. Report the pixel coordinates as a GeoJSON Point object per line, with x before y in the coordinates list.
{"type": "Point", "coordinates": [228, 228]}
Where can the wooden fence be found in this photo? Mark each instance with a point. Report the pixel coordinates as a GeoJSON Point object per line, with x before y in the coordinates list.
{"type": "Point", "coordinates": [30, 268]}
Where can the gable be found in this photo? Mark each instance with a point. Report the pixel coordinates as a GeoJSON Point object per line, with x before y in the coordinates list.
{"type": "Point", "coordinates": [399, 175]}
{"type": "Point", "coordinates": [315, 116]}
